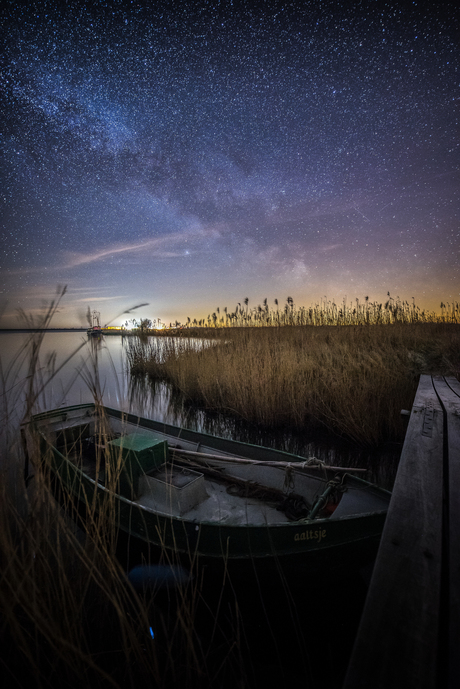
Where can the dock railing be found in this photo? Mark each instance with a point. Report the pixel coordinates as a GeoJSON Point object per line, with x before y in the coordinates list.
{"type": "Point", "coordinates": [409, 635]}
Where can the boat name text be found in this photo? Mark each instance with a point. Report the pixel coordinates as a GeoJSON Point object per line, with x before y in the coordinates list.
{"type": "Point", "coordinates": [311, 535]}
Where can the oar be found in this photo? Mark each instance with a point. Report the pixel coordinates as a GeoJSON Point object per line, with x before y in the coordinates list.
{"type": "Point", "coordinates": [307, 464]}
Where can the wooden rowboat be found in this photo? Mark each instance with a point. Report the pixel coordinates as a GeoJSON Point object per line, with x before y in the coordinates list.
{"type": "Point", "coordinates": [199, 495]}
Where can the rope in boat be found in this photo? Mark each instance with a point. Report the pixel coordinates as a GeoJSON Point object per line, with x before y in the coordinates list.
{"type": "Point", "coordinates": [294, 506]}
{"type": "Point", "coordinates": [289, 481]}
{"type": "Point", "coordinates": [312, 461]}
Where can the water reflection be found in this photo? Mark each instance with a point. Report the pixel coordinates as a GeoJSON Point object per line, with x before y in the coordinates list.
{"type": "Point", "coordinates": [156, 400]}
{"type": "Point", "coordinates": [152, 400]}
{"type": "Point", "coordinates": [74, 369]}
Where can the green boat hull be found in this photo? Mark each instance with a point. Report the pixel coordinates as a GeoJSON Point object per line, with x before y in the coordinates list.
{"type": "Point", "coordinates": [303, 546]}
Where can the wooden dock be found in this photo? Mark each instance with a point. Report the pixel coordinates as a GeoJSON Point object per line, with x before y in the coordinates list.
{"type": "Point", "coordinates": [409, 635]}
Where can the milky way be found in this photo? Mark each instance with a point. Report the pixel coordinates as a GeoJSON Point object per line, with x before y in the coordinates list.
{"type": "Point", "coordinates": [190, 155]}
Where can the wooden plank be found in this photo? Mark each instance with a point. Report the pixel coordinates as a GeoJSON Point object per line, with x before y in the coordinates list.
{"type": "Point", "coordinates": [397, 639]}
{"type": "Point", "coordinates": [448, 390]}
{"type": "Point", "coordinates": [453, 384]}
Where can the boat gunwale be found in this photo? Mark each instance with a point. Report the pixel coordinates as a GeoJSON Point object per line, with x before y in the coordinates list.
{"type": "Point", "coordinates": [151, 510]}
{"type": "Point", "coordinates": [348, 531]}
{"type": "Point", "coordinates": [176, 432]}
{"type": "Point", "coordinates": [296, 527]}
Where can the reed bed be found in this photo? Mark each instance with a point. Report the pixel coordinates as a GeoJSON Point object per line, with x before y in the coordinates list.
{"type": "Point", "coordinates": [327, 312]}
{"type": "Point", "coordinates": [351, 380]}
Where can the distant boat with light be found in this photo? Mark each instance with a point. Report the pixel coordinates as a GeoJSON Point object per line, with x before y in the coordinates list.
{"type": "Point", "coordinates": [95, 328]}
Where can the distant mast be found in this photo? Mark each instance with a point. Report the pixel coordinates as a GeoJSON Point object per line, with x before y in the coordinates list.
{"type": "Point", "coordinates": [95, 329]}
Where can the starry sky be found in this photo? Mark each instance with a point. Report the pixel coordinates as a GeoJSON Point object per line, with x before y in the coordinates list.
{"type": "Point", "coordinates": [191, 154]}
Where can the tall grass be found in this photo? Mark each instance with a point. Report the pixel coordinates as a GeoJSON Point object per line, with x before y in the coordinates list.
{"type": "Point", "coordinates": [327, 312]}
{"type": "Point", "coordinates": [351, 380]}
{"type": "Point", "coordinates": [68, 615]}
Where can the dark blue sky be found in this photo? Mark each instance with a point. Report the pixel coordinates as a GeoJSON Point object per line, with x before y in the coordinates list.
{"type": "Point", "coordinates": [192, 154]}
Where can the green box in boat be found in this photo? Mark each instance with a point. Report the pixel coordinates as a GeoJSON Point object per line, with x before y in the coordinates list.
{"type": "Point", "coordinates": [140, 454]}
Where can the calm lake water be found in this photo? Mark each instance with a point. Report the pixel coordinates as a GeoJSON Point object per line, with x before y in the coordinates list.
{"type": "Point", "coordinates": [301, 637]}
{"type": "Point", "coordinates": [71, 365]}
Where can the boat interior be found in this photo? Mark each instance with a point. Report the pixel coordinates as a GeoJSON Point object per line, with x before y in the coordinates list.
{"type": "Point", "coordinates": [148, 468]}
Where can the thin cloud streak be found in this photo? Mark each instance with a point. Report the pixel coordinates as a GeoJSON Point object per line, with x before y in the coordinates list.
{"type": "Point", "coordinates": [156, 245]}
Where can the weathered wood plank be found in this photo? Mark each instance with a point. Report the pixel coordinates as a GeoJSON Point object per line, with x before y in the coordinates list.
{"type": "Point", "coordinates": [397, 640]}
{"type": "Point", "coordinates": [454, 385]}
{"type": "Point", "coordinates": [450, 399]}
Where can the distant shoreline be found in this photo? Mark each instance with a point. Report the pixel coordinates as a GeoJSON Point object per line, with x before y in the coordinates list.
{"type": "Point", "coordinates": [43, 330]}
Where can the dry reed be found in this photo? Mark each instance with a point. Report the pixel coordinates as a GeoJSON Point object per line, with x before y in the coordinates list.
{"type": "Point", "coordinates": [327, 312]}
{"type": "Point", "coordinates": [353, 380]}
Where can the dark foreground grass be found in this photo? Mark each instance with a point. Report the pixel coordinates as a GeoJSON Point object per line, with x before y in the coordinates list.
{"type": "Point", "coordinates": [351, 380]}
{"type": "Point", "coordinates": [69, 616]}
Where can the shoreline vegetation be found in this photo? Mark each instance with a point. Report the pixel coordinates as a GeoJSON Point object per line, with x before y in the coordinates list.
{"type": "Point", "coordinates": [351, 380]}
{"type": "Point", "coordinates": [327, 312]}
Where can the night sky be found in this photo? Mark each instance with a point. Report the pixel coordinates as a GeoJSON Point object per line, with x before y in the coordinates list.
{"type": "Point", "coordinates": [190, 155]}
